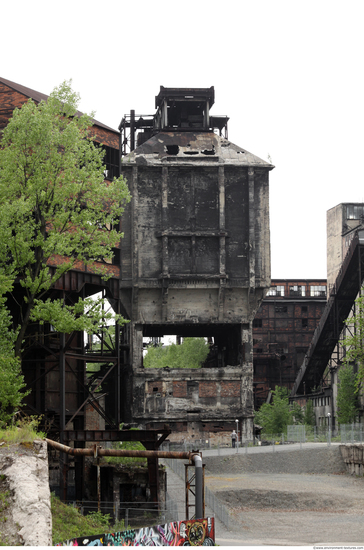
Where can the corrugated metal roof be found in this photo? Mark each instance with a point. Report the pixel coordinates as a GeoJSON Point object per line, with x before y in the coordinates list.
{"type": "Point", "coordinates": [38, 97]}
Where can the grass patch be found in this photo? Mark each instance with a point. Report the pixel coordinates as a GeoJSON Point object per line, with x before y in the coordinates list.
{"type": "Point", "coordinates": [128, 460]}
{"type": "Point", "coordinates": [69, 523]}
{"type": "Point", "coordinates": [4, 505]}
{"type": "Point", "coordinates": [24, 431]}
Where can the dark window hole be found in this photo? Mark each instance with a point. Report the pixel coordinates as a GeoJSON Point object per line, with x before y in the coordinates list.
{"type": "Point", "coordinates": [172, 149]}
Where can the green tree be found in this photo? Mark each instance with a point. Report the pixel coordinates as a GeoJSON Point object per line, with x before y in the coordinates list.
{"type": "Point", "coordinates": [354, 344]}
{"type": "Point", "coordinates": [191, 354]}
{"type": "Point", "coordinates": [309, 418]}
{"type": "Point", "coordinates": [276, 416]}
{"type": "Point", "coordinates": [347, 395]}
{"type": "Point", "coordinates": [11, 379]}
{"type": "Point", "coordinates": [55, 209]}
{"type": "Point", "coordinates": [54, 203]}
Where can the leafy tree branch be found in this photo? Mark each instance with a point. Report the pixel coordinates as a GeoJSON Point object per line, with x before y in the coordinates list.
{"type": "Point", "coordinates": [57, 212]}
{"type": "Point", "coordinates": [54, 203]}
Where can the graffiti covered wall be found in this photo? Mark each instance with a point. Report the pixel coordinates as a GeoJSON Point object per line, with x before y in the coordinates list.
{"type": "Point", "coordinates": [177, 533]}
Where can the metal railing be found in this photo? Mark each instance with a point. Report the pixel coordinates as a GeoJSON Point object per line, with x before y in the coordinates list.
{"type": "Point", "coordinates": [217, 507]}
{"type": "Point", "coordinates": [346, 433]}
{"type": "Point", "coordinates": [352, 433]}
{"type": "Point", "coordinates": [220, 511]}
{"type": "Point", "coordinates": [134, 514]}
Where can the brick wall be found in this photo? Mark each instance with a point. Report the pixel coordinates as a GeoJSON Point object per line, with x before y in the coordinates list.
{"type": "Point", "coordinates": [208, 389]}
{"type": "Point", "coordinates": [180, 388]}
{"type": "Point", "coordinates": [155, 387]}
{"type": "Point", "coordinates": [230, 389]}
{"type": "Point", "coordinates": [9, 100]}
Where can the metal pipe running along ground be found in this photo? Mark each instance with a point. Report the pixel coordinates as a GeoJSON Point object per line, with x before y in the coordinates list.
{"type": "Point", "coordinates": [97, 451]}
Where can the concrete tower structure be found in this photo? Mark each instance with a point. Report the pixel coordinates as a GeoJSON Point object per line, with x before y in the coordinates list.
{"type": "Point", "coordinates": [342, 221]}
{"type": "Point", "coordinates": [195, 262]}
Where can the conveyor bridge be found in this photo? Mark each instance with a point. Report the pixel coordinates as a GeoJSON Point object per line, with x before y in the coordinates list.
{"type": "Point", "coordinates": [342, 296]}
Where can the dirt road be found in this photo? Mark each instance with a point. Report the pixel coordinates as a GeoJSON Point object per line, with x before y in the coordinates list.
{"type": "Point", "coordinates": [296, 497]}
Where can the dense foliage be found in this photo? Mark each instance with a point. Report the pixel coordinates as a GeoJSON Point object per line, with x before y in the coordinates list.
{"type": "Point", "coordinates": [55, 209]}
{"type": "Point", "coordinates": [347, 395]}
{"type": "Point", "coordinates": [354, 343]}
{"type": "Point", "coordinates": [11, 379]}
{"type": "Point", "coordinates": [191, 354]}
{"type": "Point", "coordinates": [309, 418]}
{"type": "Point", "coordinates": [69, 523]}
{"type": "Point", "coordinates": [276, 416]}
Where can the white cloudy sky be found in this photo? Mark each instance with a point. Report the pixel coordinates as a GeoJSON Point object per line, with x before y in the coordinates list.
{"type": "Point", "coordinates": [288, 73]}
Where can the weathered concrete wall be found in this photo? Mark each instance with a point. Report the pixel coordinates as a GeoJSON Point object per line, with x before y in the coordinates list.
{"type": "Point", "coordinates": [26, 474]}
{"type": "Point", "coordinates": [195, 262]}
{"type": "Point", "coordinates": [339, 229]}
{"type": "Point", "coordinates": [195, 401]}
{"type": "Point", "coordinates": [334, 230]}
{"type": "Point", "coordinates": [353, 455]}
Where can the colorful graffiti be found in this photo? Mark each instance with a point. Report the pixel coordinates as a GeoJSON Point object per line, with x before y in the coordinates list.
{"type": "Point", "coordinates": [199, 532]}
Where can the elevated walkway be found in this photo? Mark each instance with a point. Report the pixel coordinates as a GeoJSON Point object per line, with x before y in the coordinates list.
{"type": "Point", "coordinates": [342, 296]}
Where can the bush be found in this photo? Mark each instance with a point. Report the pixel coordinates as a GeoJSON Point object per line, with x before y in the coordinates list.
{"type": "Point", "coordinates": [347, 398]}
{"type": "Point", "coordinates": [191, 354]}
{"type": "Point", "coordinates": [69, 523]}
{"type": "Point", "coordinates": [127, 445]}
{"type": "Point", "coordinates": [24, 431]}
{"type": "Point", "coordinates": [274, 418]}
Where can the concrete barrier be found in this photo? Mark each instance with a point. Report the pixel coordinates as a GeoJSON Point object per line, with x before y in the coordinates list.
{"type": "Point", "coordinates": [353, 456]}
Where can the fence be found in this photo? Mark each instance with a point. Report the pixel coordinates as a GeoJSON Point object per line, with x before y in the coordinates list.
{"type": "Point", "coordinates": [134, 515]}
{"type": "Point", "coordinates": [220, 511]}
{"type": "Point", "coordinates": [298, 433]}
{"type": "Point", "coordinates": [351, 433]}
{"type": "Point", "coordinates": [344, 433]}
{"type": "Point", "coordinates": [217, 507]}
{"type": "Point", "coordinates": [199, 444]}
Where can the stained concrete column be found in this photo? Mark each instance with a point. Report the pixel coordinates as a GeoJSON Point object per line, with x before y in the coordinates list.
{"type": "Point", "coordinates": [165, 263]}
{"type": "Point", "coordinates": [135, 242]}
{"type": "Point", "coordinates": [222, 247]}
{"type": "Point", "coordinates": [252, 216]}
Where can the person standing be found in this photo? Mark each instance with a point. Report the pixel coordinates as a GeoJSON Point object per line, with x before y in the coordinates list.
{"type": "Point", "coordinates": [233, 438]}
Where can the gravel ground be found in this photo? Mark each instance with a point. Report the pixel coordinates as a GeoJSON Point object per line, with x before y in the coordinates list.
{"type": "Point", "coordinates": [296, 497]}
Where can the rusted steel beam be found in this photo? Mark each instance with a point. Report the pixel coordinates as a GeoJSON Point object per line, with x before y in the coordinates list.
{"type": "Point", "coordinates": [97, 451]}
{"type": "Point", "coordinates": [91, 395]}
{"type": "Point", "coordinates": [149, 438]}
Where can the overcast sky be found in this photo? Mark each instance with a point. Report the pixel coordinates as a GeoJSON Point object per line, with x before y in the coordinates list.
{"type": "Point", "coordinates": [289, 74]}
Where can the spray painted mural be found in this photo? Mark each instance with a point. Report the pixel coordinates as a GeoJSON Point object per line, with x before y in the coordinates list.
{"type": "Point", "coordinates": [199, 532]}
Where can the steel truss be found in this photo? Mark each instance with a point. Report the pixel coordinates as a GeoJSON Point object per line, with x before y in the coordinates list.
{"type": "Point", "coordinates": [333, 323]}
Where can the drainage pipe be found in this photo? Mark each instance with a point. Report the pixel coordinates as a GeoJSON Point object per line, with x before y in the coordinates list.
{"type": "Point", "coordinates": [199, 484]}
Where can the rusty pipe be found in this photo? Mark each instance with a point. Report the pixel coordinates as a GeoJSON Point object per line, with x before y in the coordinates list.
{"type": "Point", "coordinates": [97, 451]}
{"type": "Point", "coordinates": [198, 487]}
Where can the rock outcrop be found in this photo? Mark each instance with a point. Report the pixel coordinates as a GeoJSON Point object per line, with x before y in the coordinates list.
{"type": "Point", "coordinates": [24, 471]}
